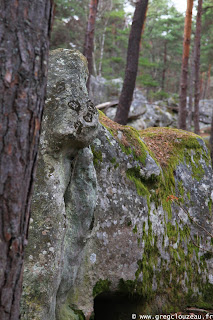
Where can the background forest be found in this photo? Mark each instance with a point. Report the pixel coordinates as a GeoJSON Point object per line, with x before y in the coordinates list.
{"type": "Point", "coordinates": [161, 46]}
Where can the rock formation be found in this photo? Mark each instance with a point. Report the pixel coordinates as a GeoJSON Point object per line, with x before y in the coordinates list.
{"type": "Point", "coordinates": [70, 123]}
{"type": "Point", "coordinates": [105, 236]}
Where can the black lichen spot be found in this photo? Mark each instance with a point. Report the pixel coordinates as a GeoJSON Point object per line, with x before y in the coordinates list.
{"type": "Point", "coordinates": [60, 86]}
{"type": "Point", "coordinates": [91, 111]}
{"type": "Point", "coordinates": [88, 117]}
{"type": "Point", "coordinates": [90, 106]}
{"type": "Point", "coordinates": [74, 105]}
{"type": "Point", "coordinates": [78, 126]}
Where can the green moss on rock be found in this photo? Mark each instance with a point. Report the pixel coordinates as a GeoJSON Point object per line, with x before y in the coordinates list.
{"type": "Point", "coordinates": [210, 206]}
{"type": "Point", "coordinates": [97, 156]}
{"type": "Point", "coordinates": [133, 174]}
{"type": "Point", "coordinates": [101, 286]}
{"type": "Point", "coordinates": [115, 163]}
{"type": "Point", "coordinates": [129, 138]}
{"type": "Point", "coordinates": [67, 313]}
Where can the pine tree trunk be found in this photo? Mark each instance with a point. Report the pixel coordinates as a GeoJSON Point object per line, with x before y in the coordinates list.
{"type": "Point", "coordinates": [191, 82]}
{"type": "Point", "coordinates": [208, 82]}
{"type": "Point", "coordinates": [24, 38]}
{"type": "Point", "coordinates": [202, 76]}
{"type": "Point", "coordinates": [103, 40]}
{"type": "Point", "coordinates": [211, 140]}
{"type": "Point", "coordinates": [132, 62]}
{"type": "Point", "coordinates": [197, 68]}
{"type": "Point", "coordinates": [102, 53]}
{"type": "Point", "coordinates": [184, 69]}
{"type": "Point", "coordinates": [164, 66]}
{"type": "Point", "coordinates": [89, 37]}
{"type": "Point", "coordinates": [207, 78]}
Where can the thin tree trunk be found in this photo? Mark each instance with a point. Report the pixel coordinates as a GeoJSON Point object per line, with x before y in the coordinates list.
{"type": "Point", "coordinates": [89, 37]}
{"type": "Point", "coordinates": [197, 68]}
{"type": "Point", "coordinates": [205, 82]}
{"type": "Point", "coordinates": [102, 53]}
{"type": "Point", "coordinates": [205, 90]}
{"type": "Point", "coordinates": [184, 69]}
{"type": "Point", "coordinates": [191, 82]}
{"type": "Point", "coordinates": [211, 141]}
{"type": "Point", "coordinates": [132, 62]}
{"type": "Point", "coordinates": [164, 65]}
{"type": "Point", "coordinates": [202, 76]}
{"type": "Point", "coordinates": [94, 64]}
{"type": "Point", "coordinates": [103, 42]}
{"type": "Point", "coordinates": [208, 82]}
{"type": "Point", "coordinates": [24, 38]}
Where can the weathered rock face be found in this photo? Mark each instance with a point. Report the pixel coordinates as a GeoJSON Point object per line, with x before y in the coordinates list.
{"type": "Point", "coordinates": [103, 228]}
{"type": "Point", "coordinates": [69, 124]}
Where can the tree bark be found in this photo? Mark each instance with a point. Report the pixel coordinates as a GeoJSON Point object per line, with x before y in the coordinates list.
{"type": "Point", "coordinates": [164, 66]}
{"type": "Point", "coordinates": [211, 140]}
{"type": "Point", "coordinates": [184, 69]}
{"type": "Point", "coordinates": [103, 40]}
{"type": "Point", "coordinates": [197, 68]}
{"type": "Point", "coordinates": [202, 77]}
{"type": "Point", "coordinates": [102, 53]}
{"type": "Point", "coordinates": [24, 37]}
{"type": "Point", "coordinates": [89, 37]}
{"type": "Point", "coordinates": [191, 82]}
{"type": "Point", "coordinates": [206, 83]}
{"type": "Point", "coordinates": [132, 62]}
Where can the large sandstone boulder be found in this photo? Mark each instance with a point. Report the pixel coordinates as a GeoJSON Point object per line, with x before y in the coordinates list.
{"type": "Point", "coordinates": [104, 236]}
{"type": "Point", "coordinates": [141, 244]}
{"type": "Point", "coordinates": [70, 123]}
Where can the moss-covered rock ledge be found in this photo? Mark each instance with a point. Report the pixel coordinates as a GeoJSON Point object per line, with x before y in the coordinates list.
{"type": "Point", "coordinates": [104, 226]}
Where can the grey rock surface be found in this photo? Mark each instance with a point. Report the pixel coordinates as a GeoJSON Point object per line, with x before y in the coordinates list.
{"type": "Point", "coordinates": [137, 243]}
{"type": "Point", "coordinates": [70, 123]}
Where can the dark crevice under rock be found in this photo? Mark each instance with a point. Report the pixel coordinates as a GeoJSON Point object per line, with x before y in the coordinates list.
{"type": "Point", "coordinates": [116, 306]}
